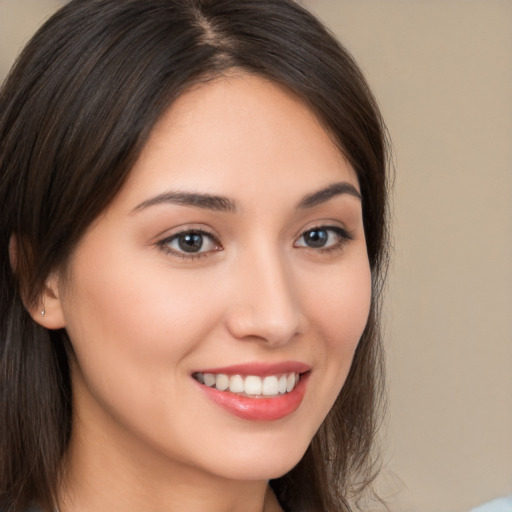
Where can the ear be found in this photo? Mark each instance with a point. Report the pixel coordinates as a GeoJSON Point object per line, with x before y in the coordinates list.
{"type": "Point", "coordinates": [46, 310]}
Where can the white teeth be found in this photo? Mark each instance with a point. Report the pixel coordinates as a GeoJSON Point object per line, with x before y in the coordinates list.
{"type": "Point", "coordinates": [209, 379]}
{"type": "Point", "coordinates": [253, 385]}
{"type": "Point", "coordinates": [236, 384]}
{"type": "Point", "coordinates": [281, 387]}
{"type": "Point", "coordinates": [271, 385]}
{"type": "Point", "coordinates": [290, 382]}
{"type": "Point", "coordinates": [222, 382]}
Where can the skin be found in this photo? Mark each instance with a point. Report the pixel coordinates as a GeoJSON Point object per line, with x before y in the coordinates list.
{"type": "Point", "coordinates": [142, 316]}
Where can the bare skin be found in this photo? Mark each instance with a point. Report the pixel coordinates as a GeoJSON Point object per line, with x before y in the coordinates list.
{"type": "Point", "coordinates": [168, 283]}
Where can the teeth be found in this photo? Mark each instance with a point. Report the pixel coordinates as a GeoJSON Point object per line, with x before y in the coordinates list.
{"type": "Point", "coordinates": [290, 382]}
{"type": "Point", "coordinates": [253, 385]}
{"type": "Point", "coordinates": [209, 379]}
{"type": "Point", "coordinates": [282, 384]}
{"type": "Point", "coordinates": [272, 385]}
{"type": "Point", "coordinates": [222, 382]}
{"type": "Point", "coordinates": [236, 384]}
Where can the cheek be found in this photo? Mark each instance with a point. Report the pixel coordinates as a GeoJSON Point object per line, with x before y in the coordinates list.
{"type": "Point", "coordinates": [131, 329]}
{"type": "Point", "coordinates": [343, 305]}
{"type": "Point", "coordinates": [346, 307]}
{"type": "Point", "coordinates": [132, 332]}
{"type": "Point", "coordinates": [132, 305]}
{"type": "Point", "coordinates": [340, 313]}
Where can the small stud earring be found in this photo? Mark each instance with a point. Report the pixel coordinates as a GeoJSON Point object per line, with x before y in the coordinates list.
{"type": "Point", "coordinates": [43, 312]}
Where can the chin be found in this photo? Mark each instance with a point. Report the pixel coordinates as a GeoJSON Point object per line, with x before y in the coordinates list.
{"type": "Point", "coordinates": [261, 461]}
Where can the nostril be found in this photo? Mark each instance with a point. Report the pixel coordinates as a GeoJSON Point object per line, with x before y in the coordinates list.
{"type": "Point", "coordinates": [269, 326]}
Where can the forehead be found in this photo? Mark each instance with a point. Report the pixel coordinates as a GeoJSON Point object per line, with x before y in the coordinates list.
{"type": "Point", "coordinates": [234, 135]}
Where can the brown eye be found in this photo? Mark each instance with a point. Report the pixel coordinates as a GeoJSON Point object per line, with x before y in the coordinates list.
{"type": "Point", "coordinates": [316, 238]}
{"type": "Point", "coordinates": [191, 242]}
{"type": "Point", "coordinates": [323, 237]}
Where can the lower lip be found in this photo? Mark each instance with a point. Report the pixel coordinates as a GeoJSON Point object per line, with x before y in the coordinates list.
{"type": "Point", "coordinates": [259, 409]}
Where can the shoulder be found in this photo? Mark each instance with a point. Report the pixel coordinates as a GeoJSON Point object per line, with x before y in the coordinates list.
{"type": "Point", "coordinates": [499, 505]}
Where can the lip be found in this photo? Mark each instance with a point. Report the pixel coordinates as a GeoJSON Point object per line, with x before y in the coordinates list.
{"type": "Point", "coordinates": [259, 409]}
{"type": "Point", "coordinates": [260, 369]}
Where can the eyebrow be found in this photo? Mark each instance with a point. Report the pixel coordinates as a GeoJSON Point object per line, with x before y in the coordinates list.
{"type": "Point", "coordinates": [204, 201]}
{"type": "Point", "coordinates": [224, 204]}
{"type": "Point", "coordinates": [328, 193]}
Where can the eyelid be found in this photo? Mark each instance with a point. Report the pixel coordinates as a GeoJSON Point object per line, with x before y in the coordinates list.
{"type": "Point", "coordinates": [326, 224]}
{"type": "Point", "coordinates": [343, 234]}
{"type": "Point", "coordinates": [163, 242]}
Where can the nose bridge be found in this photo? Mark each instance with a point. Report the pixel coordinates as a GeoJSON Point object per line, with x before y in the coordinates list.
{"type": "Point", "coordinates": [267, 305]}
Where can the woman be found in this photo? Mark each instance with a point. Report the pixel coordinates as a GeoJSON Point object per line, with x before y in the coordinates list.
{"type": "Point", "coordinates": [193, 237]}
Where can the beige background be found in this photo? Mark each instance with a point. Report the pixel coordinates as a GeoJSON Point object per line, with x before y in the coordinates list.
{"type": "Point", "coordinates": [442, 72]}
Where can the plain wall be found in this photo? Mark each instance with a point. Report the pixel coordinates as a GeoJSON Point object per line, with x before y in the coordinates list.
{"type": "Point", "coordinates": [442, 73]}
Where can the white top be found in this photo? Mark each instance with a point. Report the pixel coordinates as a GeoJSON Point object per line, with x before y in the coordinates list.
{"type": "Point", "coordinates": [499, 505]}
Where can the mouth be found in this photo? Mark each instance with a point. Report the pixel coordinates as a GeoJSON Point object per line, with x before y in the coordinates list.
{"type": "Point", "coordinates": [251, 386]}
{"type": "Point", "coordinates": [256, 392]}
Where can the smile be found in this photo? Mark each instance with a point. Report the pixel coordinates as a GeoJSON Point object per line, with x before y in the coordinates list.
{"type": "Point", "coordinates": [250, 385]}
{"type": "Point", "coordinates": [255, 391]}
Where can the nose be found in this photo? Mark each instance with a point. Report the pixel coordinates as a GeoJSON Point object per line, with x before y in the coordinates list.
{"type": "Point", "coordinates": [265, 305]}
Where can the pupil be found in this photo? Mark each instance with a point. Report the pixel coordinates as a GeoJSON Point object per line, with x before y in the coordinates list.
{"type": "Point", "coordinates": [316, 238]}
{"type": "Point", "coordinates": [191, 242]}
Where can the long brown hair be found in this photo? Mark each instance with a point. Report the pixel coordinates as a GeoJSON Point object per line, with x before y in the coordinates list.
{"type": "Point", "coordinates": [74, 114]}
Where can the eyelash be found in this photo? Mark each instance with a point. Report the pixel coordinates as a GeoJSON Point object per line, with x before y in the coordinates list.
{"type": "Point", "coordinates": [343, 236]}
{"type": "Point", "coordinates": [164, 244]}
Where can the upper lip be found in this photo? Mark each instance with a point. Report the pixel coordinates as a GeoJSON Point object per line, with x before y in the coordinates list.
{"type": "Point", "coordinates": [259, 368]}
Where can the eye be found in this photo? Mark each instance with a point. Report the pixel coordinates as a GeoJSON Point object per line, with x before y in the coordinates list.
{"type": "Point", "coordinates": [323, 237]}
{"type": "Point", "coordinates": [190, 243]}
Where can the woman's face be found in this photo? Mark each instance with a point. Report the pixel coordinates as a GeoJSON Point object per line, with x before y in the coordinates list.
{"type": "Point", "coordinates": [234, 254]}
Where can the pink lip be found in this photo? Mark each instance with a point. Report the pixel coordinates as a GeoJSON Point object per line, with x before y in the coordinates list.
{"type": "Point", "coordinates": [259, 409]}
{"type": "Point", "coordinates": [260, 369]}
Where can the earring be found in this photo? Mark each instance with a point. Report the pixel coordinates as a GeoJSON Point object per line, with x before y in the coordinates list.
{"type": "Point", "coordinates": [43, 312]}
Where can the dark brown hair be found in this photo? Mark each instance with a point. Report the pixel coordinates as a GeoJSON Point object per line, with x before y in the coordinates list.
{"type": "Point", "coordinates": [74, 114]}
